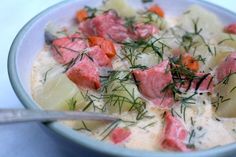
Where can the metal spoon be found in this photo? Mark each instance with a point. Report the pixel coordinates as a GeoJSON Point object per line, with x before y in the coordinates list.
{"type": "Point", "coordinates": [24, 115]}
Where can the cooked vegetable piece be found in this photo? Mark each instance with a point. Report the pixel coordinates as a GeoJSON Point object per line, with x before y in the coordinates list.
{"type": "Point", "coordinates": [106, 45]}
{"type": "Point", "coordinates": [190, 62]}
{"type": "Point", "coordinates": [157, 10]}
{"type": "Point", "coordinates": [81, 15]}
{"type": "Point", "coordinates": [227, 67]}
{"type": "Point", "coordinates": [121, 7]}
{"type": "Point", "coordinates": [54, 93]}
{"type": "Point", "coordinates": [225, 100]}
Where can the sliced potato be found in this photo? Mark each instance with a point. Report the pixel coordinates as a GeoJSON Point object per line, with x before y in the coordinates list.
{"type": "Point", "coordinates": [54, 93]}
{"type": "Point", "coordinates": [215, 60]}
{"type": "Point", "coordinates": [204, 19]}
{"type": "Point", "coordinates": [227, 40]}
{"type": "Point", "coordinates": [154, 19]}
{"type": "Point", "coordinates": [148, 59]}
{"type": "Point", "coordinates": [121, 6]}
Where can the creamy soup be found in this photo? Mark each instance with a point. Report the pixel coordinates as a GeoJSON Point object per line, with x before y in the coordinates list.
{"type": "Point", "coordinates": [170, 80]}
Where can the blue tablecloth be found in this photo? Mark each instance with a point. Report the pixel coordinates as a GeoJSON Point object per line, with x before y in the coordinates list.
{"type": "Point", "coordinates": [28, 140]}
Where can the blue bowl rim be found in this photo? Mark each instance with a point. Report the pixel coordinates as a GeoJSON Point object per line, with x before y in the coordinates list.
{"type": "Point", "coordinates": [79, 138]}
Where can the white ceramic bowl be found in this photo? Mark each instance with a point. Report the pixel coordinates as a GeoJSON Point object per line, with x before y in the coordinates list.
{"type": "Point", "coordinates": [30, 40]}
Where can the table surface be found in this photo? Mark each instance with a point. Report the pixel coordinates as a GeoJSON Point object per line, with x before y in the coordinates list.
{"type": "Point", "coordinates": [29, 140]}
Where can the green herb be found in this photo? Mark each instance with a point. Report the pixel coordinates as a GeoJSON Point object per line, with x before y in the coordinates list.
{"type": "Point", "coordinates": [46, 75]}
{"type": "Point", "coordinates": [192, 134]}
{"type": "Point", "coordinates": [91, 11]}
{"type": "Point", "coordinates": [201, 59]}
{"type": "Point", "coordinates": [192, 122]}
{"type": "Point", "coordinates": [233, 89]}
{"type": "Point", "coordinates": [129, 22]}
{"type": "Point", "coordinates": [139, 66]}
{"type": "Point", "coordinates": [84, 127]}
{"type": "Point", "coordinates": [148, 125]}
{"type": "Point", "coordinates": [110, 128]}
{"type": "Point", "coordinates": [71, 103]}
{"type": "Point", "coordinates": [226, 78]}
{"type": "Point", "coordinates": [220, 99]}
{"type": "Point", "coordinates": [227, 39]}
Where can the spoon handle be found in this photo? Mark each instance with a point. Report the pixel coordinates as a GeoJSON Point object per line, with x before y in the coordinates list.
{"type": "Point", "coordinates": [24, 115]}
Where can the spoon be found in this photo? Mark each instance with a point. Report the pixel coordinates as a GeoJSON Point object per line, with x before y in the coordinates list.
{"type": "Point", "coordinates": [25, 115]}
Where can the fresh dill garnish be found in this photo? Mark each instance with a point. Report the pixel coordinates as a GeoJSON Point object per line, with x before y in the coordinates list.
{"type": "Point", "coordinates": [149, 125]}
{"type": "Point", "coordinates": [173, 113]}
{"type": "Point", "coordinates": [220, 99]}
{"type": "Point", "coordinates": [227, 39]}
{"type": "Point", "coordinates": [201, 59]}
{"type": "Point", "coordinates": [79, 57]}
{"type": "Point", "coordinates": [84, 127]}
{"type": "Point", "coordinates": [226, 78]}
{"type": "Point", "coordinates": [110, 128]}
{"type": "Point", "coordinates": [192, 122]}
{"type": "Point", "coordinates": [71, 103]}
{"type": "Point", "coordinates": [91, 11]}
{"type": "Point", "coordinates": [233, 89]}
{"type": "Point", "coordinates": [192, 134]}
{"type": "Point", "coordinates": [129, 23]}
{"type": "Point", "coordinates": [116, 83]}
{"type": "Point", "coordinates": [46, 75]}
{"type": "Point", "coordinates": [139, 66]}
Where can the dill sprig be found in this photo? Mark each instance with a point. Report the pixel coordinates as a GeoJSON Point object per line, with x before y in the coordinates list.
{"type": "Point", "coordinates": [117, 83]}
{"type": "Point", "coordinates": [71, 103]}
{"type": "Point", "coordinates": [91, 11]}
{"type": "Point", "coordinates": [149, 125]}
{"type": "Point", "coordinates": [220, 99]}
{"type": "Point", "coordinates": [129, 22]}
{"type": "Point", "coordinates": [192, 134]}
{"type": "Point", "coordinates": [84, 127]}
{"type": "Point", "coordinates": [131, 50]}
{"type": "Point", "coordinates": [227, 78]}
{"type": "Point", "coordinates": [110, 128]}
{"type": "Point", "coordinates": [46, 75]}
{"type": "Point", "coordinates": [230, 38]}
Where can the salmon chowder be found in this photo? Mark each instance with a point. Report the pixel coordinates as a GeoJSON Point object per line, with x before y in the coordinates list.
{"type": "Point", "coordinates": [170, 80]}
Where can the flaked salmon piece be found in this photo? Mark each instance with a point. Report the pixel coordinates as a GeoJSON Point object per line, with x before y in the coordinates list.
{"type": "Point", "coordinates": [85, 74]}
{"type": "Point", "coordinates": [118, 135]}
{"type": "Point", "coordinates": [152, 81]}
{"type": "Point", "coordinates": [174, 134]}
{"type": "Point", "coordinates": [99, 57]}
{"type": "Point", "coordinates": [108, 25]}
{"type": "Point", "coordinates": [143, 31]}
{"type": "Point", "coordinates": [67, 48]}
{"type": "Point", "coordinates": [231, 28]}
{"type": "Point", "coordinates": [227, 67]}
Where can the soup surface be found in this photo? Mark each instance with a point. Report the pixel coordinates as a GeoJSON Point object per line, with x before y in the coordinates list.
{"type": "Point", "coordinates": [170, 80]}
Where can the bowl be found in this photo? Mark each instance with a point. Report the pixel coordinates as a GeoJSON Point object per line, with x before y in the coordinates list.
{"type": "Point", "coordinates": [30, 40]}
